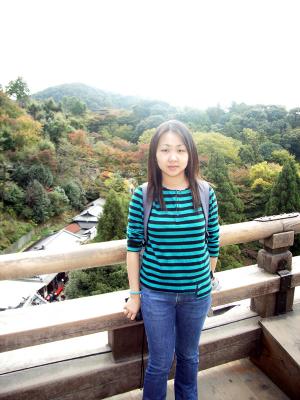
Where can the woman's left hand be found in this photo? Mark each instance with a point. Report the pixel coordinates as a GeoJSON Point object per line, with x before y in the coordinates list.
{"type": "Point", "coordinates": [132, 307]}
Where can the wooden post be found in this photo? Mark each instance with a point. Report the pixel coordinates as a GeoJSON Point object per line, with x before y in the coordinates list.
{"type": "Point", "coordinates": [275, 258]}
{"type": "Point", "coordinates": [128, 342]}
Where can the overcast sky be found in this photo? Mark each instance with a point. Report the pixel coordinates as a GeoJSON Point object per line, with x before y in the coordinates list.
{"type": "Point", "coordinates": [188, 52]}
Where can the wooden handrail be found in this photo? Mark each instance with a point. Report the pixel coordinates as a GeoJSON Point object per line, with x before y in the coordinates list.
{"type": "Point", "coordinates": [26, 264]}
{"type": "Point", "coordinates": [87, 315]}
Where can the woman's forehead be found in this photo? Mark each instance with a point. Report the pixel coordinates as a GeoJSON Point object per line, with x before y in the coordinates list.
{"type": "Point", "coordinates": [170, 138]}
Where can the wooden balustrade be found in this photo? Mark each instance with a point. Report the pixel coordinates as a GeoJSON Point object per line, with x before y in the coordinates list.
{"type": "Point", "coordinates": [70, 318]}
{"type": "Point", "coordinates": [265, 284]}
{"type": "Point", "coordinates": [31, 263]}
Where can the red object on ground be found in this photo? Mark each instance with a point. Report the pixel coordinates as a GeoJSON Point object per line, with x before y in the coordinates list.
{"type": "Point", "coordinates": [58, 290]}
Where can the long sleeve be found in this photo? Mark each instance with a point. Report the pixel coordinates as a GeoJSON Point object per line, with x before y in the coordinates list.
{"type": "Point", "coordinates": [213, 243]}
{"type": "Point", "coordinates": [135, 226]}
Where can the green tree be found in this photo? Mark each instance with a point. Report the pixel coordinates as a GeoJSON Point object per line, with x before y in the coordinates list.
{"type": "Point", "coordinates": [262, 177]}
{"type": "Point", "coordinates": [227, 147]}
{"type": "Point", "coordinates": [34, 108]}
{"type": "Point", "coordinates": [285, 194]}
{"type": "Point", "coordinates": [75, 194]}
{"type": "Point", "coordinates": [6, 140]}
{"type": "Point", "coordinates": [111, 224]}
{"type": "Point", "coordinates": [294, 117]}
{"type": "Point", "coordinates": [230, 206]}
{"type": "Point", "coordinates": [281, 156]}
{"type": "Point", "coordinates": [59, 201]}
{"type": "Point", "coordinates": [56, 128]}
{"type": "Point", "coordinates": [291, 142]}
{"type": "Point", "coordinates": [18, 89]}
{"type": "Point", "coordinates": [230, 257]}
{"type": "Point", "coordinates": [116, 183]}
{"type": "Point", "coordinates": [266, 150]}
{"type": "Point", "coordinates": [73, 105]}
{"type": "Point", "coordinates": [41, 173]}
{"type": "Point", "coordinates": [14, 196]}
{"type": "Point", "coordinates": [23, 175]}
{"type": "Point", "coordinates": [37, 199]}
{"type": "Point", "coordinates": [247, 154]}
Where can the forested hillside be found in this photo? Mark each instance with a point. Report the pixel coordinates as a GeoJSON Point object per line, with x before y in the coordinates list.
{"type": "Point", "coordinates": [61, 152]}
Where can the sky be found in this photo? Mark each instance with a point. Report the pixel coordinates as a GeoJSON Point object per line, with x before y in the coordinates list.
{"type": "Point", "coordinates": [196, 53]}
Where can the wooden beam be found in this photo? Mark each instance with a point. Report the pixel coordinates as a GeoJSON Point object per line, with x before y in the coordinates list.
{"type": "Point", "coordinates": [31, 263]}
{"type": "Point", "coordinates": [71, 318]}
{"type": "Point", "coordinates": [97, 376]}
{"type": "Point", "coordinates": [41, 262]}
{"type": "Point", "coordinates": [280, 355]}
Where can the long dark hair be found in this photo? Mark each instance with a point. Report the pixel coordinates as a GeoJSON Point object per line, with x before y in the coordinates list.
{"type": "Point", "coordinates": [192, 169]}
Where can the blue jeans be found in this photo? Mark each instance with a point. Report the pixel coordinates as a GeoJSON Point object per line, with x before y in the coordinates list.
{"type": "Point", "coordinates": [173, 323]}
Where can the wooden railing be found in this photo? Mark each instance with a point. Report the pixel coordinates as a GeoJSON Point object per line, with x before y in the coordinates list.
{"type": "Point", "coordinates": [26, 264]}
{"type": "Point", "coordinates": [261, 283]}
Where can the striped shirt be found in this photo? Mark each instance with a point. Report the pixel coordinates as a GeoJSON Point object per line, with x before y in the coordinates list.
{"type": "Point", "coordinates": [176, 255]}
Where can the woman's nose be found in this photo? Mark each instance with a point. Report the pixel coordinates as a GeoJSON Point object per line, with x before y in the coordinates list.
{"type": "Point", "coordinates": [172, 156]}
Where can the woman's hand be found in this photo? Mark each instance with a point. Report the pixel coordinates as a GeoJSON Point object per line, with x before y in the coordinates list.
{"type": "Point", "coordinates": [132, 307]}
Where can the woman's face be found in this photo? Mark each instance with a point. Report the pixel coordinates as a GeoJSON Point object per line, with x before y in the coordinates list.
{"type": "Point", "coordinates": [172, 155]}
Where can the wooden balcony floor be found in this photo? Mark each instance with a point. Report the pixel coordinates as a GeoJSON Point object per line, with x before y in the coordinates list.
{"type": "Point", "coordinates": [235, 380]}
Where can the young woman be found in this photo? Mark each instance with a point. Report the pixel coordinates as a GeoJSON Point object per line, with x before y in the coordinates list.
{"type": "Point", "coordinates": [172, 286]}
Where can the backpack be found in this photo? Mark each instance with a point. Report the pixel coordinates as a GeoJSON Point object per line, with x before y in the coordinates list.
{"type": "Point", "coordinates": [204, 197]}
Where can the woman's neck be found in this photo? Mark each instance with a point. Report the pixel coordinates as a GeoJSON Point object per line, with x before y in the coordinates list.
{"type": "Point", "coordinates": [175, 183]}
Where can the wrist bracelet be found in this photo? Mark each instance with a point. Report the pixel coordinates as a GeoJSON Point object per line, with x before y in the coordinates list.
{"type": "Point", "coordinates": [133, 292]}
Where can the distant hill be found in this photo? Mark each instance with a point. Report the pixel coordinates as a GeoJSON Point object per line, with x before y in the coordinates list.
{"type": "Point", "coordinates": [94, 98]}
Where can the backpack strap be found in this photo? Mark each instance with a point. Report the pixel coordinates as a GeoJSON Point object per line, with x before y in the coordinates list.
{"type": "Point", "coordinates": [204, 197]}
{"type": "Point", "coordinates": [147, 209]}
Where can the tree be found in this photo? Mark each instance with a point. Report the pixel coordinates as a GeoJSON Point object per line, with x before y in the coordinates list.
{"type": "Point", "coordinates": [59, 201]}
{"type": "Point", "coordinates": [254, 139]}
{"type": "Point", "coordinates": [18, 89]}
{"type": "Point", "coordinates": [23, 175]}
{"type": "Point", "coordinates": [56, 128]}
{"type": "Point", "coordinates": [116, 183]}
{"type": "Point", "coordinates": [150, 122]}
{"type": "Point", "coordinates": [291, 142]}
{"type": "Point", "coordinates": [14, 196]}
{"type": "Point", "coordinates": [6, 140]}
{"type": "Point", "coordinates": [33, 108]}
{"type": "Point", "coordinates": [73, 105]}
{"type": "Point", "coordinates": [37, 199]}
{"type": "Point", "coordinates": [41, 173]}
{"type": "Point", "coordinates": [267, 148]}
{"type": "Point", "coordinates": [262, 177]}
{"type": "Point", "coordinates": [111, 224]}
{"type": "Point", "coordinates": [230, 206]}
{"type": "Point", "coordinates": [281, 156]}
{"type": "Point", "coordinates": [246, 154]}
{"type": "Point", "coordinates": [294, 117]}
{"type": "Point", "coordinates": [75, 194]}
{"type": "Point", "coordinates": [223, 145]}
{"type": "Point", "coordinates": [285, 195]}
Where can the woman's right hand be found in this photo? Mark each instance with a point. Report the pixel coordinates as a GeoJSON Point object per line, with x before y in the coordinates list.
{"type": "Point", "coordinates": [132, 306]}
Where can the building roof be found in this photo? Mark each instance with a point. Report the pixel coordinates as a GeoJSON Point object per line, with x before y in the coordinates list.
{"type": "Point", "coordinates": [15, 292]}
{"type": "Point", "coordinates": [62, 239]}
{"type": "Point", "coordinates": [73, 228]}
{"type": "Point", "coordinates": [92, 213]}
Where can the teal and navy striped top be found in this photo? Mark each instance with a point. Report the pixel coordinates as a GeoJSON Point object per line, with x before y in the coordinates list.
{"type": "Point", "coordinates": [176, 256]}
